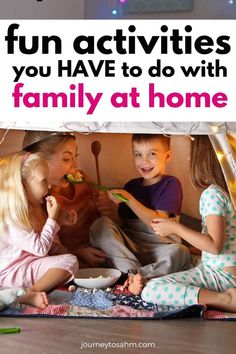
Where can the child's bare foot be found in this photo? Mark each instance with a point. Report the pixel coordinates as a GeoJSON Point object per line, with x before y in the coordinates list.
{"type": "Point", "coordinates": [135, 284]}
{"type": "Point", "coordinates": [35, 298]}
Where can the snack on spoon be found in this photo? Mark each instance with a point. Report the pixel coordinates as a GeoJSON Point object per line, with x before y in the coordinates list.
{"type": "Point", "coordinates": [76, 178]}
{"type": "Point", "coordinates": [79, 178]}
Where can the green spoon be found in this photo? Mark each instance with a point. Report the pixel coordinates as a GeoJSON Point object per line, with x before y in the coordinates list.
{"type": "Point", "coordinates": [71, 179]}
{"type": "Point", "coordinates": [105, 189]}
{"type": "Point", "coordinates": [10, 330]}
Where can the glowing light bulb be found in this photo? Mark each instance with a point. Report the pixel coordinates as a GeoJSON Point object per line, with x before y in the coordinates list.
{"type": "Point", "coordinates": [232, 186]}
{"type": "Point", "coordinates": [220, 156]}
{"type": "Point", "coordinates": [214, 128]}
{"type": "Point", "coordinates": [114, 12]}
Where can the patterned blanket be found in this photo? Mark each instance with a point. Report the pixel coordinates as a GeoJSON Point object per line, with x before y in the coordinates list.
{"type": "Point", "coordinates": [115, 304]}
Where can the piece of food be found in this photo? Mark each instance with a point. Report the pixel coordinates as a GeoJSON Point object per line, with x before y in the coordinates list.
{"type": "Point", "coordinates": [76, 178]}
{"type": "Point", "coordinates": [72, 288]}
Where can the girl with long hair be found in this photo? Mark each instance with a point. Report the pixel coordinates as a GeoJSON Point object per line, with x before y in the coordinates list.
{"type": "Point", "coordinates": [60, 150]}
{"type": "Point", "coordinates": [28, 230]}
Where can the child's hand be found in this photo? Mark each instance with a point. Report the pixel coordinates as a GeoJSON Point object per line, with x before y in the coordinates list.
{"type": "Point", "coordinates": [164, 227]}
{"type": "Point", "coordinates": [68, 217]}
{"type": "Point", "coordinates": [122, 192]}
{"type": "Point", "coordinates": [53, 208]}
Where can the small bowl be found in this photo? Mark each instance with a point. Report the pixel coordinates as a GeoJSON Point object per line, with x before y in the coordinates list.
{"type": "Point", "coordinates": [96, 278]}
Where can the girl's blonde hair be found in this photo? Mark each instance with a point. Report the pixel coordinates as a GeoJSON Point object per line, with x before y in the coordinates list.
{"type": "Point", "coordinates": [205, 168]}
{"type": "Point", "coordinates": [14, 207]}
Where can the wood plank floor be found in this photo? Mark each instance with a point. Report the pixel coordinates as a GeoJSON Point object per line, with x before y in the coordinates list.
{"type": "Point", "coordinates": [56, 336]}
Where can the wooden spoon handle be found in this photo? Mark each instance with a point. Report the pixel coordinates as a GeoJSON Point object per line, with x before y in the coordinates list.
{"type": "Point", "coordinates": [97, 170]}
{"type": "Point", "coordinates": [96, 148]}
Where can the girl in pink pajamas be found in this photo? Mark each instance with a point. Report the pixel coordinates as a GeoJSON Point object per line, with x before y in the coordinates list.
{"type": "Point", "coordinates": [28, 231]}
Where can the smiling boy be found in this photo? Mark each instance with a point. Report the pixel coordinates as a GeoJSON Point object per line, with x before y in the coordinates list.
{"type": "Point", "coordinates": [133, 245]}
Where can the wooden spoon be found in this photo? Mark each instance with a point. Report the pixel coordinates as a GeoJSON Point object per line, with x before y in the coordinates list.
{"type": "Point", "coordinates": [96, 148]}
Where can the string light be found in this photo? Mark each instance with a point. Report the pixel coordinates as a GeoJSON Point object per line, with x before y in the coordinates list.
{"type": "Point", "coordinates": [224, 148]}
{"type": "Point", "coordinates": [114, 12]}
{"type": "Point", "coordinates": [165, 128]}
{"type": "Point", "coordinates": [118, 10]}
{"type": "Point", "coordinates": [192, 129]}
{"type": "Point", "coordinates": [215, 128]}
{"type": "Point", "coordinates": [188, 133]}
{"type": "Point", "coordinates": [84, 129]}
{"type": "Point", "coordinates": [6, 132]}
{"type": "Point", "coordinates": [220, 155]}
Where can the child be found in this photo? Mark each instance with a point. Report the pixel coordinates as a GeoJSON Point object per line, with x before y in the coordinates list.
{"type": "Point", "coordinates": [210, 283]}
{"type": "Point", "coordinates": [61, 151]}
{"type": "Point", "coordinates": [27, 233]}
{"type": "Point", "coordinates": [134, 246]}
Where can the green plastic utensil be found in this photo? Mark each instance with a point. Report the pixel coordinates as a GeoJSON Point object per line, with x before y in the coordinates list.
{"type": "Point", "coordinates": [99, 187]}
{"type": "Point", "coordinates": [10, 330]}
{"type": "Point", "coordinates": [105, 189]}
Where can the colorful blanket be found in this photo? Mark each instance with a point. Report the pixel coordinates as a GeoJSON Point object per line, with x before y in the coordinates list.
{"type": "Point", "coordinates": [115, 304]}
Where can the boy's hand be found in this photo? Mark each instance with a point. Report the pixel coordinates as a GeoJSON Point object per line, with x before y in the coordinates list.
{"type": "Point", "coordinates": [68, 217]}
{"type": "Point", "coordinates": [164, 227]}
{"type": "Point", "coordinates": [123, 192]}
{"type": "Point", "coordinates": [53, 208]}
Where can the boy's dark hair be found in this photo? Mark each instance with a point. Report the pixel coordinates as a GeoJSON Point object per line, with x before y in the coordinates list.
{"type": "Point", "coordinates": [142, 138]}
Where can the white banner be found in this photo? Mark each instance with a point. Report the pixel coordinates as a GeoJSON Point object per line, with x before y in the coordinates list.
{"type": "Point", "coordinates": [110, 71]}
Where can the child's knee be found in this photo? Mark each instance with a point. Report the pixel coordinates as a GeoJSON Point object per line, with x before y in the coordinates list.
{"type": "Point", "coordinates": [151, 292]}
{"type": "Point", "coordinates": [99, 229]}
{"type": "Point", "coordinates": [185, 255]}
{"type": "Point", "coordinates": [73, 261]}
{"type": "Point", "coordinates": [179, 256]}
{"type": "Point", "coordinates": [99, 224]}
{"type": "Point", "coordinates": [181, 251]}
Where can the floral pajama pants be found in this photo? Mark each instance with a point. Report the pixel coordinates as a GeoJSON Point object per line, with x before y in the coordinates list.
{"type": "Point", "coordinates": [182, 288]}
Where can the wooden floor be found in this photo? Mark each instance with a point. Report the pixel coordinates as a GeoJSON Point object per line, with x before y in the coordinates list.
{"type": "Point", "coordinates": [56, 336]}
